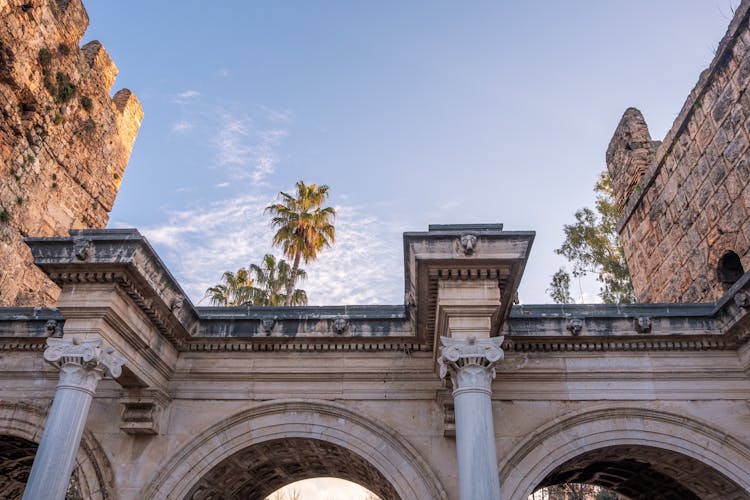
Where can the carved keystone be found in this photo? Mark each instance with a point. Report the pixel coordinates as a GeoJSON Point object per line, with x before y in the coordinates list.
{"type": "Point", "coordinates": [643, 324]}
{"type": "Point", "coordinates": [574, 326]}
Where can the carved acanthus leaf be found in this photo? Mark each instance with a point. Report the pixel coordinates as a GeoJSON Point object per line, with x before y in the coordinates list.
{"type": "Point", "coordinates": [471, 352]}
{"type": "Point", "coordinates": [89, 354]}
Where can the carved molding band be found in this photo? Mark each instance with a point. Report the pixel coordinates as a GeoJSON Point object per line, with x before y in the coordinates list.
{"type": "Point", "coordinates": [470, 362]}
{"type": "Point", "coordinates": [83, 363]}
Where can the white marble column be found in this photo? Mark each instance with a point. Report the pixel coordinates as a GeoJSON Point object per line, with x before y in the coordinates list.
{"type": "Point", "coordinates": [470, 363]}
{"type": "Point", "coordinates": [82, 364]}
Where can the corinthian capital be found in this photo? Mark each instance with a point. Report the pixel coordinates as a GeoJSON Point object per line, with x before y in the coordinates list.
{"type": "Point", "coordinates": [470, 362]}
{"type": "Point", "coordinates": [83, 363]}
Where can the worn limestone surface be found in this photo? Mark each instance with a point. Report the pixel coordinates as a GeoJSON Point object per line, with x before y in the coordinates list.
{"type": "Point", "coordinates": [686, 200]}
{"type": "Point", "coordinates": [211, 399]}
{"type": "Point", "coordinates": [64, 142]}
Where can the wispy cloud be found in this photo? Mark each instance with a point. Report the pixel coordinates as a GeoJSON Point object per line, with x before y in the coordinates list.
{"type": "Point", "coordinates": [185, 97]}
{"type": "Point", "coordinates": [188, 94]}
{"type": "Point", "coordinates": [363, 267]}
{"type": "Point", "coordinates": [245, 150]}
{"type": "Point", "coordinates": [277, 116]}
{"type": "Point", "coordinates": [181, 126]}
{"type": "Point", "coordinates": [245, 141]}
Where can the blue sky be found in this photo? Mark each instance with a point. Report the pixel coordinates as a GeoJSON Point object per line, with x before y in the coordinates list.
{"type": "Point", "coordinates": [413, 112]}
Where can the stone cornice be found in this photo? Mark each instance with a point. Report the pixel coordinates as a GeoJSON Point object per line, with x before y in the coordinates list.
{"type": "Point", "coordinates": [16, 322]}
{"type": "Point", "coordinates": [27, 328]}
{"type": "Point", "coordinates": [449, 255]}
{"type": "Point", "coordinates": [591, 344]}
{"type": "Point", "coordinates": [302, 345]}
{"type": "Point", "coordinates": [622, 327]}
{"type": "Point", "coordinates": [461, 252]}
{"type": "Point", "coordinates": [124, 257]}
{"type": "Point", "coordinates": [25, 344]}
{"type": "Point", "coordinates": [160, 315]}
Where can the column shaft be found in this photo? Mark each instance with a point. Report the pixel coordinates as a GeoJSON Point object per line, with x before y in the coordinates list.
{"type": "Point", "coordinates": [475, 446]}
{"type": "Point", "coordinates": [55, 458]}
{"type": "Point", "coordinates": [470, 363]}
{"type": "Point", "coordinates": [82, 365]}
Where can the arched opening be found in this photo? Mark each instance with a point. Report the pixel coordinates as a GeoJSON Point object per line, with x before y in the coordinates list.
{"type": "Point", "coordinates": [16, 459]}
{"type": "Point", "coordinates": [21, 428]}
{"type": "Point", "coordinates": [617, 446]}
{"type": "Point", "coordinates": [729, 269]}
{"type": "Point", "coordinates": [258, 450]}
{"type": "Point", "coordinates": [328, 488]}
{"type": "Point", "coordinates": [645, 472]}
{"type": "Point", "coordinates": [259, 470]}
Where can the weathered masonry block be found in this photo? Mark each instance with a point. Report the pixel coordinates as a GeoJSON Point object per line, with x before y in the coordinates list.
{"type": "Point", "coordinates": [685, 201]}
{"type": "Point", "coordinates": [64, 142]}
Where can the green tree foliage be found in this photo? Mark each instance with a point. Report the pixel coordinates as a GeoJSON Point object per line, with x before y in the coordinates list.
{"type": "Point", "coordinates": [303, 227]}
{"type": "Point", "coordinates": [559, 288]}
{"type": "Point", "coordinates": [272, 278]}
{"type": "Point", "coordinates": [235, 289]}
{"type": "Point", "coordinates": [593, 247]}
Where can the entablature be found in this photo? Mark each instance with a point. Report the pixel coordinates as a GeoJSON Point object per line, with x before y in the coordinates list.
{"type": "Point", "coordinates": [456, 277]}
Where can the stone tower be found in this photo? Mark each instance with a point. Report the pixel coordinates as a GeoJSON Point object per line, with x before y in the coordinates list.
{"type": "Point", "coordinates": [685, 201]}
{"type": "Point", "coordinates": [64, 142]}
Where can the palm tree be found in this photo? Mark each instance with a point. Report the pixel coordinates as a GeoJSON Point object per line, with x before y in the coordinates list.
{"type": "Point", "coordinates": [303, 228]}
{"type": "Point", "coordinates": [273, 278]}
{"type": "Point", "coordinates": [236, 289]}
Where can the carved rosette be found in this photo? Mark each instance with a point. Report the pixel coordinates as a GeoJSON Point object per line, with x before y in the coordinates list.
{"type": "Point", "coordinates": [470, 363]}
{"type": "Point", "coordinates": [83, 363]}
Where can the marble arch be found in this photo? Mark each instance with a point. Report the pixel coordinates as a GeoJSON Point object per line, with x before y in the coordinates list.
{"type": "Point", "coordinates": [95, 476]}
{"type": "Point", "coordinates": [571, 436]}
{"type": "Point", "coordinates": [407, 474]}
{"type": "Point", "coordinates": [432, 399]}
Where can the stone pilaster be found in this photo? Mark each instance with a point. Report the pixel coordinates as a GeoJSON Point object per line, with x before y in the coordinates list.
{"type": "Point", "coordinates": [82, 365]}
{"type": "Point", "coordinates": [470, 364]}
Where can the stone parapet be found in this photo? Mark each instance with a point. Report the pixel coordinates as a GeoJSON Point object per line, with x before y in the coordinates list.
{"type": "Point", "coordinates": [35, 322]}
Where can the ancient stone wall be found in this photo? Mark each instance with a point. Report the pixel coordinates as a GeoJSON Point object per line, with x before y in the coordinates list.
{"type": "Point", "coordinates": [64, 142]}
{"type": "Point", "coordinates": [686, 200]}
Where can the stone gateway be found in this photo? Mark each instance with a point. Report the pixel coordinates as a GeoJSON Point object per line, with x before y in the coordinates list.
{"type": "Point", "coordinates": [455, 394]}
{"type": "Point", "coordinates": [121, 388]}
